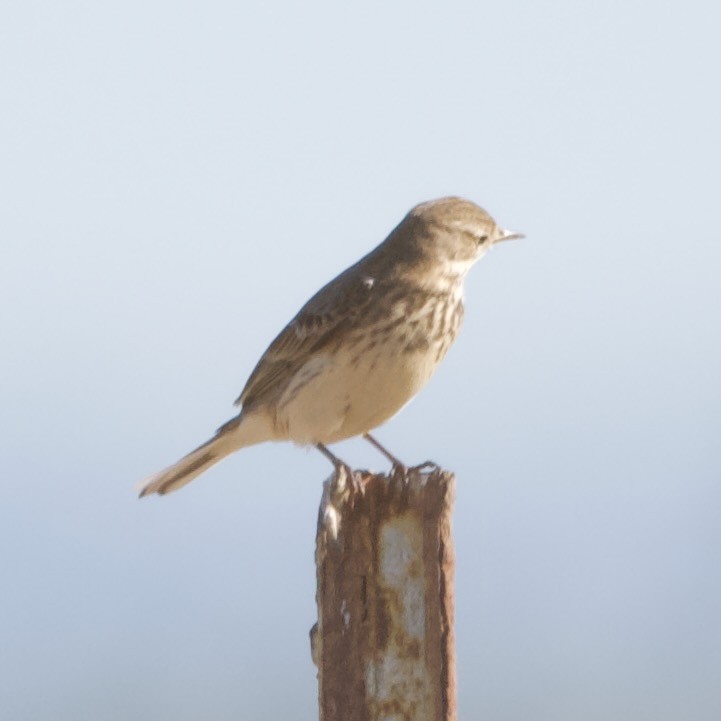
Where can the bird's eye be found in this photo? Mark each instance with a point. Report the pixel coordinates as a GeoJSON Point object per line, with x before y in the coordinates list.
{"type": "Point", "coordinates": [482, 239]}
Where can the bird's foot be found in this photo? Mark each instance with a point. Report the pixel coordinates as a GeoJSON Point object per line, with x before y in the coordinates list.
{"type": "Point", "coordinates": [344, 474]}
{"type": "Point", "coordinates": [356, 479]}
{"type": "Point", "coordinates": [425, 466]}
{"type": "Point", "coordinates": [400, 472]}
{"type": "Point", "coordinates": [345, 477]}
{"type": "Point", "coordinates": [398, 469]}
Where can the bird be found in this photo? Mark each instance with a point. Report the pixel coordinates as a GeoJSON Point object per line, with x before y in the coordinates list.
{"type": "Point", "coordinates": [362, 347]}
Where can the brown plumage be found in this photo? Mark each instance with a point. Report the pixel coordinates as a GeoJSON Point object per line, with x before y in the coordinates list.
{"type": "Point", "coordinates": [362, 346]}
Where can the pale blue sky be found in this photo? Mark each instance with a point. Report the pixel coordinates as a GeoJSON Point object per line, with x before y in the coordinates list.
{"type": "Point", "coordinates": [177, 178]}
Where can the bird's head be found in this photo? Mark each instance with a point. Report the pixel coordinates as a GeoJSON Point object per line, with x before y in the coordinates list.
{"type": "Point", "coordinates": [455, 231]}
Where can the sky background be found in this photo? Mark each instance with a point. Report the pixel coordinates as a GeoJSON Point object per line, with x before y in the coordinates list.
{"type": "Point", "coordinates": [177, 178]}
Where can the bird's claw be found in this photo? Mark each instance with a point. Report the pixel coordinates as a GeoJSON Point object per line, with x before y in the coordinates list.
{"type": "Point", "coordinates": [346, 477]}
{"type": "Point", "coordinates": [356, 482]}
{"type": "Point", "coordinates": [426, 466]}
{"type": "Point", "coordinates": [399, 471]}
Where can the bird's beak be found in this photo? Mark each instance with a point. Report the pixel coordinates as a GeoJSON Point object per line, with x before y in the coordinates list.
{"type": "Point", "coordinates": [508, 235]}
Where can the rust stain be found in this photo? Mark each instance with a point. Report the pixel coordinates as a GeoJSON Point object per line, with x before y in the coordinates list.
{"type": "Point", "coordinates": [385, 646]}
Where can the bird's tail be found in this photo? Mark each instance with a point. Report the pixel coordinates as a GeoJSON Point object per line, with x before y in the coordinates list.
{"type": "Point", "coordinates": [233, 435]}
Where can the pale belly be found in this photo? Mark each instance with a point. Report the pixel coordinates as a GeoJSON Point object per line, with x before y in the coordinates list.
{"type": "Point", "coordinates": [334, 397]}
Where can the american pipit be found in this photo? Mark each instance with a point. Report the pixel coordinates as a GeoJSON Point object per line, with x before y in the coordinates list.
{"type": "Point", "coordinates": [362, 346]}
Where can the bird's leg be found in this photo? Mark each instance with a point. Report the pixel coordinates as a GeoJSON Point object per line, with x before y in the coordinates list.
{"type": "Point", "coordinates": [340, 465]}
{"type": "Point", "coordinates": [331, 456]}
{"type": "Point", "coordinates": [398, 467]}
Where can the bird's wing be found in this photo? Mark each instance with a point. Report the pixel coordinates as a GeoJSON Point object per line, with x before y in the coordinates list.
{"type": "Point", "coordinates": [322, 318]}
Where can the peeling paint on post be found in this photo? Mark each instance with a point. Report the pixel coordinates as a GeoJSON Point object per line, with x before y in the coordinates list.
{"type": "Point", "coordinates": [383, 643]}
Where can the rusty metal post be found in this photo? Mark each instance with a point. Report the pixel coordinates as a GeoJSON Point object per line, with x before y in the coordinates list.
{"type": "Point", "coordinates": [384, 642]}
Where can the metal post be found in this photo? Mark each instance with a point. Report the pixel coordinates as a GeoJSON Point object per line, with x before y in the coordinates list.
{"type": "Point", "coordinates": [384, 642]}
